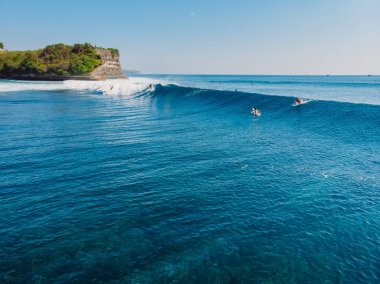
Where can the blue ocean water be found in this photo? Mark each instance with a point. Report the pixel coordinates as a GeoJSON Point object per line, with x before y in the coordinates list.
{"type": "Point", "coordinates": [111, 183]}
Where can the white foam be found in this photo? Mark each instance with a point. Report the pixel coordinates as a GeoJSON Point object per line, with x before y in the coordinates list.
{"type": "Point", "coordinates": [116, 87]}
{"type": "Point", "coordinates": [125, 87]}
{"type": "Point", "coordinates": [14, 86]}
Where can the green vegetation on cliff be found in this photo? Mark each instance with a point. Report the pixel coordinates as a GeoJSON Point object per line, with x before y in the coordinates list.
{"type": "Point", "coordinates": [55, 59]}
{"type": "Point", "coordinates": [114, 51]}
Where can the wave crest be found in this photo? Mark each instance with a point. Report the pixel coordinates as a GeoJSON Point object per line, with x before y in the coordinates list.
{"type": "Point", "coordinates": [116, 87]}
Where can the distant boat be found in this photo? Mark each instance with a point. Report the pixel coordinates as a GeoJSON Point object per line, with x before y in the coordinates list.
{"type": "Point", "coordinates": [369, 75]}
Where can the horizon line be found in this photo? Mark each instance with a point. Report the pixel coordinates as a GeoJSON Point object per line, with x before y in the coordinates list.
{"type": "Point", "coordinates": [235, 74]}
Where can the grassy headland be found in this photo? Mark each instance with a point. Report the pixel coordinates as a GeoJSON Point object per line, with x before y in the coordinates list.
{"type": "Point", "coordinates": [56, 59]}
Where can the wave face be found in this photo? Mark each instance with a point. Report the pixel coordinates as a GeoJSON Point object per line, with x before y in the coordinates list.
{"type": "Point", "coordinates": [108, 181]}
{"type": "Point", "coordinates": [351, 89]}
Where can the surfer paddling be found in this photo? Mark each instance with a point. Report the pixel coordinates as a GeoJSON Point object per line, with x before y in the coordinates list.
{"type": "Point", "coordinates": [256, 111]}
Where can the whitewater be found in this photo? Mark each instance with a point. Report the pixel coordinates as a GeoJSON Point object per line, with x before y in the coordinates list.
{"type": "Point", "coordinates": [109, 87]}
{"type": "Point", "coordinates": [351, 89]}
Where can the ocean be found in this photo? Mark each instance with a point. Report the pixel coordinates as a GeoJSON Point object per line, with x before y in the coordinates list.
{"type": "Point", "coordinates": [109, 182]}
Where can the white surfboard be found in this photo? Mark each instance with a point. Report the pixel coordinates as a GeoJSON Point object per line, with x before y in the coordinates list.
{"type": "Point", "coordinates": [256, 114]}
{"type": "Point", "coordinates": [301, 103]}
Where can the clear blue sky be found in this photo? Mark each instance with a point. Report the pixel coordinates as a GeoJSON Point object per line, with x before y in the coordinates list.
{"type": "Point", "coordinates": [213, 36]}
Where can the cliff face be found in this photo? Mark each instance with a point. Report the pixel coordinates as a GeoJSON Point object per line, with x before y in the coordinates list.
{"type": "Point", "coordinates": [110, 68]}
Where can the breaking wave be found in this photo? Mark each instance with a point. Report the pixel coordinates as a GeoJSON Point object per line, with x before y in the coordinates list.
{"type": "Point", "coordinates": [108, 87]}
{"type": "Point", "coordinates": [348, 90]}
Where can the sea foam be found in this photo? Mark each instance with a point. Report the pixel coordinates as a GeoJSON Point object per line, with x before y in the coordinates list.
{"type": "Point", "coordinates": [357, 90]}
{"type": "Point", "coordinates": [117, 87]}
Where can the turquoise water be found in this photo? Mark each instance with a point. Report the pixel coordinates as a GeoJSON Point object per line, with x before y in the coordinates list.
{"type": "Point", "coordinates": [108, 182]}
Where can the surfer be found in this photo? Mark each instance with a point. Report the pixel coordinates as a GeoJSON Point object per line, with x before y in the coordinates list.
{"type": "Point", "coordinates": [151, 88]}
{"type": "Point", "coordinates": [256, 112]}
{"type": "Point", "coordinates": [298, 101]}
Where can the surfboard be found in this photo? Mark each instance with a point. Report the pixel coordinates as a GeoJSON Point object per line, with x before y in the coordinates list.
{"type": "Point", "coordinates": [256, 114]}
{"type": "Point", "coordinates": [302, 103]}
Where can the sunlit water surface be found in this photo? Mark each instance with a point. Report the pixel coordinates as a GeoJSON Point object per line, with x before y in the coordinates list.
{"type": "Point", "coordinates": [103, 182]}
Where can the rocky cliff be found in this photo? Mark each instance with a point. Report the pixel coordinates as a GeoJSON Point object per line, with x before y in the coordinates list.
{"type": "Point", "coordinates": [110, 68]}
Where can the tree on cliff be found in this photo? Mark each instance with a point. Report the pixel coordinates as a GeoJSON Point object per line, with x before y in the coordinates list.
{"type": "Point", "coordinates": [58, 59]}
{"type": "Point", "coordinates": [1, 45]}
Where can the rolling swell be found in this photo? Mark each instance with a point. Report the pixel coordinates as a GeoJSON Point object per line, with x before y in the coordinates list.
{"type": "Point", "coordinates": [315, 83]}
{"type": "Point", "coordinates": [356, 118]}
{"type": "Point", "coordinates": [346, 122]}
